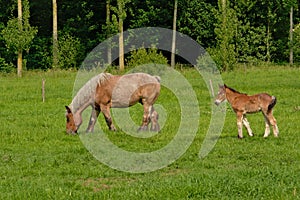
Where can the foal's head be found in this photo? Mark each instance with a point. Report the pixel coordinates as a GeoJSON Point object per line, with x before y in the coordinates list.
{"type": "Point", "coordinates": [221, 95]}
{"type": "Point", "coordinates": [70, 126]}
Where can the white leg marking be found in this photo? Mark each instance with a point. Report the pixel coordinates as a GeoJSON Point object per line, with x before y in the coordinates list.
{"type": "Point", "coordinates": [247, 125]}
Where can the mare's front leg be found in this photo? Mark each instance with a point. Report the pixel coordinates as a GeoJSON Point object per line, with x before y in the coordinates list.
{"type": "Point", "coordinates": [93, 119]}
{"type": "Point", "coordinates": [247, 125]}
{"type": "Point", "coordinates": [106, 112]}
{"type": "Point", "coordinates": [239, 118]}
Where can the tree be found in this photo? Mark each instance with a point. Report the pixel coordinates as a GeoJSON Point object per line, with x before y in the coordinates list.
{"type": "Point", "coordinates": [108, 24]}
{"type": "Point", "coordinates": [225, 31]}
{"type": "Point", "coordinates": [174, 35]}
{"type": "Point", "coordinates": [121, 15]}
{"type": "Point", "coordinates": [292, 4]}
{"type": "Point", "coordinates": [197, 19]}
{"type": "Point", "coordinates": [54, 39]}
{"type": "Point", "coordinates": [291, 36]}
{"type": "Point", "coordinates": [18, 34]}
{"type": "Point", "coordinates": [150, 13]}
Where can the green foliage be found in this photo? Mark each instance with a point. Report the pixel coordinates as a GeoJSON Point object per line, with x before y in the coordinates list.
{"type": "Point", "coordinates": [120, 10]}
{"type": "Point", "coordinates": [70, 52]}
{"type": "Point", "coordinates": [146, 56]}
{"type": "Point", "coordinates": [225, 32]}
{"type": "Point", "coordinates": [6, 67]}
{"type": "Point", "coordinates": [255, 31]}
{"type": "Point", "coordinates": [150, 13]}
{"type": "Point", "coordinates": [40, 54]}
{"type": "Point", "coordinates": [197, 20]}
{"type": "Point", "coordinates": [19, 36]}
{"type": "Point", "coordinates": [251, 44]}
{"type": "Point", "coordinates": [296, 44]}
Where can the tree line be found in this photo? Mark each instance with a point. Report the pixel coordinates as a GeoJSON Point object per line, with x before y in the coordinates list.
{"type": "Point", "coordinates": [232, 31]}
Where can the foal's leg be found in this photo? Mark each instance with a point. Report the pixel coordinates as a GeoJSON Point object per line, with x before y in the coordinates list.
{"type": "Point", "coordinates": [273, 122]}
{"type": "Point", "coordinates": [106, 112]}
{"type": "Point", "coordinates": [154, 120]}
{"type": "Point", "coordinates": [247, 125]}
{"type": "Point", "coordinates": [239, 118]}
{"type": "Point", "coordinates": [267, 130]}
{"type": "Point", "coordinates": [93, 119]}
{"type": "Point", "coordinates": [146, 116]}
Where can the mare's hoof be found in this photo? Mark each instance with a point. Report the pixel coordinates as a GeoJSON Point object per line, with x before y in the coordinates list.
{"type": "Point", "coordinates": [113, 129]}
{"type": "Point", "coordinates": [239, 137]}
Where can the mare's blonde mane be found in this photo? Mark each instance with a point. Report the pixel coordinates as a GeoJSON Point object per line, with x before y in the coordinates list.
{"type": "Point", "coordinates": [87, 92]}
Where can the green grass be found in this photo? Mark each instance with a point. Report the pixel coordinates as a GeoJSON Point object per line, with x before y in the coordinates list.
{"type": "Point", "coordinates": [39, 161]}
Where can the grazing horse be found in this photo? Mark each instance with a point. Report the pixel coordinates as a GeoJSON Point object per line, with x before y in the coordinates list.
{"type": "Point", "coordinates": [243, 104]}
{"type": "Point", "coordinates": [106, 91]}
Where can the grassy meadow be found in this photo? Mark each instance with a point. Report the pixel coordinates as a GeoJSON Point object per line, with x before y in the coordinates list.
{"type": "Point", "coordinates": [39, 161]}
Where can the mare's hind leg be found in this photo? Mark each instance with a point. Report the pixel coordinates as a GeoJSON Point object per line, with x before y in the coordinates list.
{"type": "Point", "coordinates": [247, 125]}
{"type": "Point", "coordinates": [93, 119]}
{"type": "Point", "coordinates": [106, 112]}
{"type": "Point", "coordinates": [154, 120]}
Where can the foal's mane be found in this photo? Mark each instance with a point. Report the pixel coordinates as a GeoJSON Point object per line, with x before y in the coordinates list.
{"type": "Point", "coordinates": [233, 90]}
{"type": "Point", "coordinates": [87, 91]}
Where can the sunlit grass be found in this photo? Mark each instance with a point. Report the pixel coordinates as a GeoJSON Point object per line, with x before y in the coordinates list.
{"type": "Point", "coordinates": [39, 161]}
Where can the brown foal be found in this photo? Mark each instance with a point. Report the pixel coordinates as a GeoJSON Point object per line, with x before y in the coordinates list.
{"type": "Point", "coordinates": [243, 104]}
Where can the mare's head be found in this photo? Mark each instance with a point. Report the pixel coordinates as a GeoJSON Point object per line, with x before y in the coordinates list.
{"type": "Point", "coordinates": [71, 127]}
{"type": "Point", "coordinates": [221, 95]}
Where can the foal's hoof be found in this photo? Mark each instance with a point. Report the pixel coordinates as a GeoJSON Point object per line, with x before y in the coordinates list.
{"type": "Point", "coordinates": [142, 128]}
{"type": "Point", "coordinates": [239, 137]}
{"type": "Point", "coordinates": [155, 129]}
{"type": "Point", "coordinates": [89, 131]}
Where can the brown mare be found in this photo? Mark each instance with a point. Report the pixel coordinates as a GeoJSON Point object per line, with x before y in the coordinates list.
{"type": "Point", "coordinates": [243, 104]}
{"type": "Point", "coordinates": [106, 91]}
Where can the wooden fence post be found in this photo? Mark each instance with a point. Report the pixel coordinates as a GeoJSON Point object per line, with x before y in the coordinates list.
{"type": "Point", "coordinates": [43, 89]}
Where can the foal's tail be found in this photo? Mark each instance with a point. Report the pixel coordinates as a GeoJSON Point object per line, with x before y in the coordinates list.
{"type": "Point", "coordinates": [272, 103]}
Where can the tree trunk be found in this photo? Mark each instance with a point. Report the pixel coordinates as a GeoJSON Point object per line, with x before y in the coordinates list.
{"type": "Point", "coordinates": [121, 40]}
{"type": "Point", "coordinates": [20, 60]}
{"type": "Point", "coordinates": [291, 36]}
{"type": "Point", "coordinates": [174, 36]}
{"type": "Point", "coordinates": [55, 37]}
{"type": "Point", "coordinates": [121, 46]}
{"type": "Point", "coordinates": [224, 43]}
{"type": "Point", "coordinates": [109, 31]}
{"type": "Point", "coordinates": [268, 43]}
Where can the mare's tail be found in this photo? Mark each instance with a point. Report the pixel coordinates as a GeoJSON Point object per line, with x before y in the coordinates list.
{"type": "Point", "coordinates": [157, 78]}
{"type": "Point", "coordinates": [272, 103]}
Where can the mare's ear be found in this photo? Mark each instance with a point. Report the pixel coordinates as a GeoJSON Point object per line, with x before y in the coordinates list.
{"type": "Point", "coordinates": [68, 109]}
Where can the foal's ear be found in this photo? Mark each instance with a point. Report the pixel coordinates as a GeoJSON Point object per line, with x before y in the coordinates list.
{"type": "Point", "coordinates": [68, 109]}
